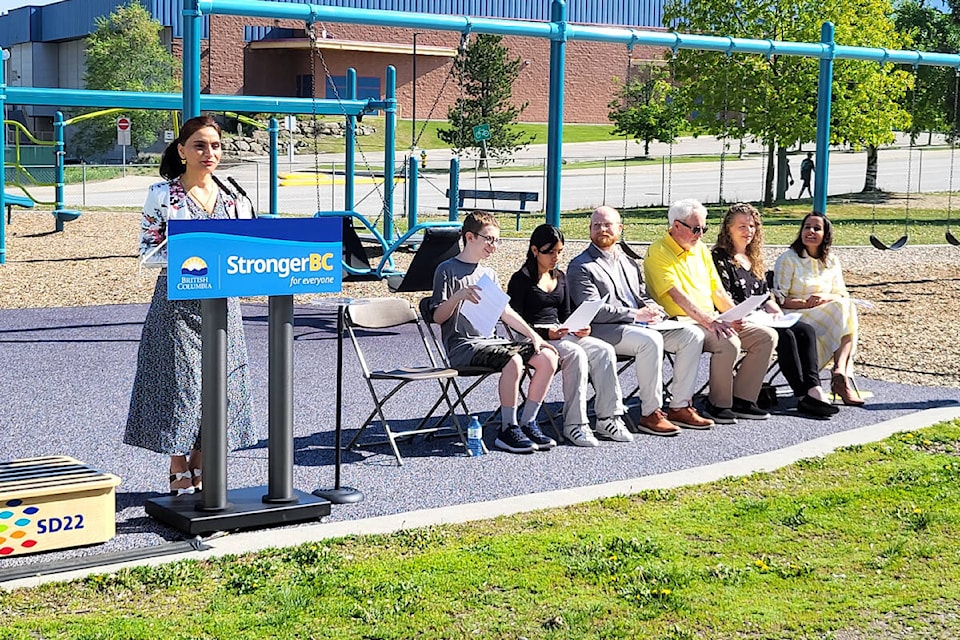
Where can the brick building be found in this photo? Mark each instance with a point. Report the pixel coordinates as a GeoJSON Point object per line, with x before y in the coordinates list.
{"type": "Point", "coordinates": [272, 57]}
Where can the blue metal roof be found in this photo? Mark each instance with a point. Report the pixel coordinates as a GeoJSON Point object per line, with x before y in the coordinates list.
{"type": "Point", "coordinates": [73, 19]}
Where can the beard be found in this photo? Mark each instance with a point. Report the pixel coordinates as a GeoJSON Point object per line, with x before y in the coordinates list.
{"type": "Point", "coordinates": [604, 240]}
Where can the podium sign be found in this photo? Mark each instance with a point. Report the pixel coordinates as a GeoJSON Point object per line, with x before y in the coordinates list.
{"type": "Point", "coordinates": [229, 258]}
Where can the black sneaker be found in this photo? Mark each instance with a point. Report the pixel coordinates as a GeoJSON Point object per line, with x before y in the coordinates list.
{"type": "Point", "coordinates": [748, 410]}
{"type": "Point", "coordinates": [512, 439]}
{"type": "Point", "coordinates": [718, 414]}
{"type": "Point", "coordinates": [540, 441]}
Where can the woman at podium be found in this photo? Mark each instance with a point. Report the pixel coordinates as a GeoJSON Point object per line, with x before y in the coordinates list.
{"type": "Point", "coordinates": [164, 411]}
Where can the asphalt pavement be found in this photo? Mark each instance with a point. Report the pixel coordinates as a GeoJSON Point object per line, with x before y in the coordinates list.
{"type": "Point", "coordinates": [66, 380]}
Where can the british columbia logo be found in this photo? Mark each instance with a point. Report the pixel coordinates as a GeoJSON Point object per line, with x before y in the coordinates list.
{"type": "Point", "coordinates": [193, 275]}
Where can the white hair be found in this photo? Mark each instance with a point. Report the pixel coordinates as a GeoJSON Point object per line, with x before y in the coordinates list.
{"type": "Point", "coordinates": [683, 209]}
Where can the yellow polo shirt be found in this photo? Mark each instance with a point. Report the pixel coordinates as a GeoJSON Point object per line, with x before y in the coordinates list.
{"type": "Point", "coordinates": [668, 266]}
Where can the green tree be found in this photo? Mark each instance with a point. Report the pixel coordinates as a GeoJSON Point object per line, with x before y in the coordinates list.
{"type": "Point", "coordinates": [486, 73]}
{"type": "Point", "coordinates": [774, 99]}
{"type": "Point", "coordinates": [124, 53]}
{"type": "Point", "coordinates": [930, 102]}
{"type": "Point", "coordinates": [644, 109]}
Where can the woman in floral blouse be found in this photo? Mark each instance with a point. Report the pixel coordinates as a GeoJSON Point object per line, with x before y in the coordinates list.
{"type": "Point", "coordinates": [739, 260]}
{"type": "Point", "coordinates": [165, 403]}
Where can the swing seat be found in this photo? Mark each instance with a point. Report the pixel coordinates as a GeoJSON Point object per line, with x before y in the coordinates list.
{"type": "Point", "coordinates": [899, 244]}
{"type": "Point", "coordinates": [66, 215]}
{"type": "Point", "coordinates": [440, 243]}
{"type": "Point", "coordinates": [952, 239]}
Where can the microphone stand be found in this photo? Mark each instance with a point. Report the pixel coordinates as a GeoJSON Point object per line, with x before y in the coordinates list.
{"type": "Point", "coordinates": [339, 494]}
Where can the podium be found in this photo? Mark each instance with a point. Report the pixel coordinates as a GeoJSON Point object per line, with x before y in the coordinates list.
{"type": "Point", "coordinates": [216, 259]}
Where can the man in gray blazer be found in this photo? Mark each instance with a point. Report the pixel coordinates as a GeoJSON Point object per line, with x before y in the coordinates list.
{"type": "Point", "coordinates": [628, 321]}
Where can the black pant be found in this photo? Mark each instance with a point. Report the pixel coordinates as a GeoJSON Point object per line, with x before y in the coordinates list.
{"type": "Point", "coordinates": [797, 353]}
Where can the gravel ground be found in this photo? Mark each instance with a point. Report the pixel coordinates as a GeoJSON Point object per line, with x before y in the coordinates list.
{"type": "Point", "coordinates": [910, 336]}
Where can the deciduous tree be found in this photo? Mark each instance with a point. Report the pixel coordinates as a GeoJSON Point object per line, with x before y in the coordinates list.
{"type": "Point", "coordinates": [645, 110]}
{"type": "Point", "coordinates": [774, 99]}
{"type": "Point", "coordinates": [124, 53]}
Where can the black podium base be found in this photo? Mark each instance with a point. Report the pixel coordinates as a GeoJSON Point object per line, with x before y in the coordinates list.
{"type": "Point", "coordinates": [245, 510]}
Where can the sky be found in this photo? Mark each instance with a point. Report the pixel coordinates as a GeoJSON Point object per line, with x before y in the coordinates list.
{"type": "Point", "coordinates": [6, 5]}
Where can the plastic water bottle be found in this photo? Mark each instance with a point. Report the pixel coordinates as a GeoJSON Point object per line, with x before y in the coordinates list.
{"type": "Point", "coordinates": [475, 437]}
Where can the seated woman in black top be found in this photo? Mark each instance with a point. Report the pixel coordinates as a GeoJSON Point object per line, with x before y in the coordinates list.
{"type": "Point", "coordinates": [739, 261]}
{"type": "Point", "coordinates": [538, 292]}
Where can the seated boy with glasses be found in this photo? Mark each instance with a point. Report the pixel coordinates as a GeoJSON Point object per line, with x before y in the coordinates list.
{"type": "Point", "coordinates": [454, 283]}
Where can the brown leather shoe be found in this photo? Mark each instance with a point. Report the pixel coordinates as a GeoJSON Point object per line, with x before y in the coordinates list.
{"type": "Point", "coordinates": [689, 418]}
{"type": "Point", "coordinates": [656, 424]}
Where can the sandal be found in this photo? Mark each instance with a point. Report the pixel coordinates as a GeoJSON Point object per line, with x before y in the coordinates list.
{"type": "Point", "coordinates": [177, 477]}
{"type": "Point", "coordinates": [197, 479]}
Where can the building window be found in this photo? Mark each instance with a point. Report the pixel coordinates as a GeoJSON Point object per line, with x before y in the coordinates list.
{"type": "Point", "coordinates": [367, 87]}
{"type": "Point", "coordinates": [305, 86]}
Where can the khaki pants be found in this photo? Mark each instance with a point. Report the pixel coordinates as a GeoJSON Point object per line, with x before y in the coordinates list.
{"type": "Point", "coordinates": [758, 344]}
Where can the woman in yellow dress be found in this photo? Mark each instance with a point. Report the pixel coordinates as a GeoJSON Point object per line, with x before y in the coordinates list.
{"type": "Point", "coordinates": [809, 280]}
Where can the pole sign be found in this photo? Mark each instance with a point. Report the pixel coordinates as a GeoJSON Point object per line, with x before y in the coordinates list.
{"type": "Point", "coordinates": [481, 133]}
{"type": "Point", "coordinates": [123, 131]}
{"type": "Point", "coordinates": [228, 258]}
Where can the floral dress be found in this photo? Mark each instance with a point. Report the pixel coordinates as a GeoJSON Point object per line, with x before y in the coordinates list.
{"type": "Point", "coordinates": [165, 404]}
{"type": "Point", "coordinates": [801, 277]}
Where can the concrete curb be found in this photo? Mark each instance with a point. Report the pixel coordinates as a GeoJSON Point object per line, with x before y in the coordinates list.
{"type": "Point", "coordinates": [250, 541]}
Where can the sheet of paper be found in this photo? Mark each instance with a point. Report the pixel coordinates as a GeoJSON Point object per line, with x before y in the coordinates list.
{"type": "Point", "coordinates": [663, 325]}
{"type": "Point", "coordinates": [493, 301]}
{"type": "Point", "coordinates": [860, 302]}
{"type": "Point", "coordinates": [766, 320]}
{"type": "Point", "coordinates": [583, 315]}
{"type": "Point", "coordinates": [740, 311]}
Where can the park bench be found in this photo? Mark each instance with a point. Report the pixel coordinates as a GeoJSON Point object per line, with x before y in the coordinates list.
{"type": "Point", "coordinates": [523, 197]}
{"type": "Point", "coordinates": [12, 199]}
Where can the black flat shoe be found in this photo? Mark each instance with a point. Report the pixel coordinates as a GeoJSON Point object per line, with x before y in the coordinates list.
{"type": "Point", "coordinates": [814, 407]}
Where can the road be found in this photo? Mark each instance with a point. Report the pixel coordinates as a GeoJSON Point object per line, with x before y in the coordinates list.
{"type": "Point", "coordinates": [655, 184]}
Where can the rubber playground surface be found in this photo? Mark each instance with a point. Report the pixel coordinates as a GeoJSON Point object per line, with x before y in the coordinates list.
{"type": "Point", "coordinates": [66, 376]}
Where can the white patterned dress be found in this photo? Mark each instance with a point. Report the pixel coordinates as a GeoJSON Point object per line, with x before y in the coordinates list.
{"type": "Point", "coordinates": [800, 277]}
{"type": "Point", "coordinates": [165, 405]}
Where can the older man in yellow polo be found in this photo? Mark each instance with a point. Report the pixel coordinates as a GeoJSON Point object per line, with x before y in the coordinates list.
{"type": "Point", "coordinates": [682, 278]}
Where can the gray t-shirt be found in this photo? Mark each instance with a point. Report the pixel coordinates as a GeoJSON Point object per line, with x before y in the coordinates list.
{"type": "Point", "coordinates": [461, 339]}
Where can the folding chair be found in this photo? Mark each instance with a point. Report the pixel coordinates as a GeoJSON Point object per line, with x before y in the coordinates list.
{"type": "Point", "coordinates": [479, 374]}
{"type": "Point", "coordinates": [374, 317]}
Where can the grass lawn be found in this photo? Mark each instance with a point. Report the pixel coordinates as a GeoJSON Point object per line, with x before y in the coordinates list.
{"type": "Point", "coordinates": [426, 135]}
{"type": "Point", "coordinates": [862, 538]}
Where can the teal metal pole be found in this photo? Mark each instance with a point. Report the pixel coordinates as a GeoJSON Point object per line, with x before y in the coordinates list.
{"type": "Point", "coordinates": [58, 162]}
{"type": "Point", "coordinates": [389, 152]}
{"type": "Point", "coordinates": [273, 129]}
{"type": "Point", "coordinates": [350, 146]}
{"type": "Point", "coordinates": [192, 31]}
{"type": "Point", "coordinates": [4, 54]}
{"type": "Point", "coordinates": [824, 95]}
{"type": "Point", "coordinates": [453, 192]}
{"type": "Point", "coordinates": [558, 49]}
{"type": "Point", "coordinates": [413, 177]}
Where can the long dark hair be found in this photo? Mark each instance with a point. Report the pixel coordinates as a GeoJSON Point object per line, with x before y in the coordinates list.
{"type": "Point", "coordinates": [544, 238]}
{"type": "Point", "coordinates": [171, 166]}
{"type": "Point", "coordinates": [825, 244]}
{"type": "Point", "coordinates": [754, 249]}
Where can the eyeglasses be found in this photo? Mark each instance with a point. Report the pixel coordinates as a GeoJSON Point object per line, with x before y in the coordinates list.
{"type": "Point", "coordinates": [698, 230]}
{"type": "Point", "coordinates": [490, 240]}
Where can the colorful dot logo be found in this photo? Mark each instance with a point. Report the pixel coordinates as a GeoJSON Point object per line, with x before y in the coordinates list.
{"type": "Point", "coordinates": [13, 523]}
